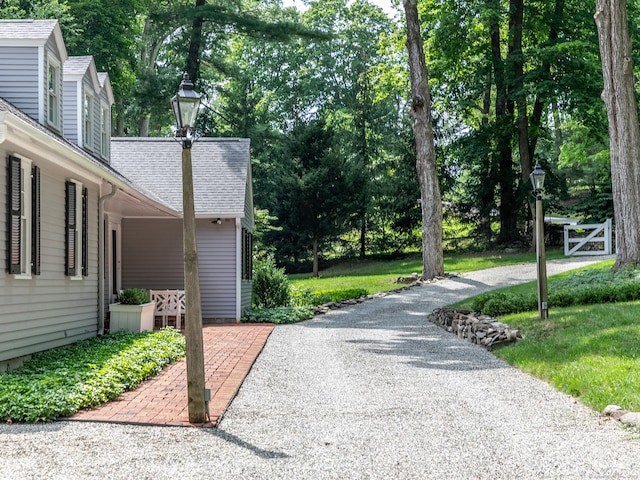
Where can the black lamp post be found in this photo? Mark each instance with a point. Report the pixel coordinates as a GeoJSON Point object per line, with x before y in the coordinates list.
{"type": "Point", "coordinates": [185, 107]}
{"type": "Point", "coordinates": [537, 182]}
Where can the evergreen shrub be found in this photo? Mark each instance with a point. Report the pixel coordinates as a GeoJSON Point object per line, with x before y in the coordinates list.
{"type": "Point", "coordinates": [270, 285]}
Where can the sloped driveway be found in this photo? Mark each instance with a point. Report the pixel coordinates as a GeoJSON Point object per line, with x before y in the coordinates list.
{"type": "Point", "coordinates": [368, 392]}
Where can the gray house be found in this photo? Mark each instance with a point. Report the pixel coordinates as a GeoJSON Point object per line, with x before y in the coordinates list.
{"type": "Point", "coordinates": [72, 223]}
{"type": "Point", "coordinates": [224, 220]}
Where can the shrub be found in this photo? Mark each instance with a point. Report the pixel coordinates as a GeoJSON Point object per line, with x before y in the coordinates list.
{"type": "Point", "coordinates": [134, 296]}
{"type": "Point", "coordinates": [587, 287]}
{"type": "Point", "coordinates": [280, 316]}
{"type": "Point", "coordinates": [300, 297]}
{"type": "Point", "coordinates": [270, 285]}
{"type": "Point", "coordinates": [325, 296]}
{"type": "Point", "coordinates": [501, 303]}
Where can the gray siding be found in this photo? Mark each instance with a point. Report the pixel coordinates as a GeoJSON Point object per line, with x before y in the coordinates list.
{"type": "Point", "coordinates": [19, 78]}
{"type": "Point", "coordinates": [217, 261]}
{"type": "Point", "coordinates": [152, 258]}
{"type": "Point", "coordinates": [48, 310]}
{"type": "Point", "coordinates": [71, 111]}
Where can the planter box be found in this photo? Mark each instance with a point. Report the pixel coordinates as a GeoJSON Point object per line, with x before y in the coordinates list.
{"type": "Point", "coordinates": [133, 318]}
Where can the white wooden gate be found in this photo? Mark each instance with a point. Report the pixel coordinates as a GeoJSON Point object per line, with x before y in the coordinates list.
{"type": "Point", "coordinates": [597, 242]}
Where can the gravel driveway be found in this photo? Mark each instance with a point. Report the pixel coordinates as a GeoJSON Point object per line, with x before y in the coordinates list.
{"type": "Point", "coordinates": [370, 391]}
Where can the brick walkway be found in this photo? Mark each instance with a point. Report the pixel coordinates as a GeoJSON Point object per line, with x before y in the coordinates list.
{"type": "Point", "coordinates": [229, 353]}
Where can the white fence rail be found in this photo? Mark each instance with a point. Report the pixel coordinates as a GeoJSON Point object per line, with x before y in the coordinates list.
{"type": "Point", "coordinates": [596, 242]}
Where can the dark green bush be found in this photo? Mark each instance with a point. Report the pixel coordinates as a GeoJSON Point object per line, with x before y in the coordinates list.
{"type": "Point", "coordinates": [501, 303]}
{"type": "Point", "coordinates": [134, 296]}
{"type": "Point", "coordinates": [270, 285]}
{"type": "Point", "coordinates": [591, 286]}
{"type": "Point", "coordinates": [301, 297]}
{"type": "Point", "coordinates": [280, 316]}
{"type": "Point", "coordinates": [326, 296]}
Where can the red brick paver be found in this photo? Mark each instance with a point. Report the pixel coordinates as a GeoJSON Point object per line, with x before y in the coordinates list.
{"type": "Point", "coordinates": [229, 353]}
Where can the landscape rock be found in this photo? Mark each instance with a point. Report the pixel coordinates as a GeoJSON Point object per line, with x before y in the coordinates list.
{"type": "Point", "coordinates": [479, 329]}
{"type": "Point", "coordinates": [631, 418]}
{"type": "Point", "coordinates": [609, 409]}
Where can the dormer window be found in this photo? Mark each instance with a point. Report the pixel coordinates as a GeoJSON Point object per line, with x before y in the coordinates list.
{"type": "Point", "coordinates": [53, 95]}
{"type": "Point", "coordinates": [88, 121]}
{"type": "Point", "coordinates": [104, 131]}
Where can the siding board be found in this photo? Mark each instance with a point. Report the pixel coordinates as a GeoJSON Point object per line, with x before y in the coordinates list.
{"type": "Point", "coordinates": [48, 310]}
{"type": "Point", "coordinates": [19, 79]}
{"type": "Point", "coordinates": [152, 259]}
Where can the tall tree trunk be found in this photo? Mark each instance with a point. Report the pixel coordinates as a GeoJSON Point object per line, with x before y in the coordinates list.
{"type": "Point", "coordinates": [487, 191]}
{"type": "Point", "coordinates": [193, 57]}
{"type": "Point", "coordinates": [624, 131]}
{"type": "Point", "coordinates": [315, 256]}
{"type": "Point", "coordinates": [143, 125]}
{"type": "Point", "coordinates": [538, 106]}
{"type": "Point", "coordinates": [119, 118]}
{"type": "Point", "coordinates": [516, 59]}
{"type": "Point", "coordinates": [432, 256]}
{"type": "Point", "coordinates": [504, 129]}
{"type": "Point", "coordinates": [364, 156]}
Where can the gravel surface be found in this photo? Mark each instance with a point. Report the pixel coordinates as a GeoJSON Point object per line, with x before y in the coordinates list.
{"type": "Point", "coordinates": [366, 392]}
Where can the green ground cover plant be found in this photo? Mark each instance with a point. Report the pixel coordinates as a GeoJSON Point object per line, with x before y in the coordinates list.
{"type": "Point", "coordinates": [590, 352]}
{"type": "Point", "coordinates": [279, 315]}
{"type": "Point", "coordinates": [59, 382]}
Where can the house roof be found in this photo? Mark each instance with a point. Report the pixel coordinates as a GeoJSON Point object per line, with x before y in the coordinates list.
{"type": "Point", "coordinates": [133, 199]}
{"type": "Point", "coordinates": [32, 32]}
{"type": "Point", "coordinates": [75, 68]}
{"type": "Point", "coordinates": [221, 171]}
{"type": "Point", "coordinates": [105, 84]}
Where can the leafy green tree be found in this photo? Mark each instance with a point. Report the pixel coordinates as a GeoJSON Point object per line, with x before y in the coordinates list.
{"type": "Point", "coordinates": [314, 196]}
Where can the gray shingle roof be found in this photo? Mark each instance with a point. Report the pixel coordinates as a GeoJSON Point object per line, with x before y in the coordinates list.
{"type": "Point", "coordinates": [220, 171]}
{"type": "Point", "coordinates": [27, 29]}
{"type": "Point", "coordinates": [8, 107]}
{"type": "Point", "coordinates": [77, 65]}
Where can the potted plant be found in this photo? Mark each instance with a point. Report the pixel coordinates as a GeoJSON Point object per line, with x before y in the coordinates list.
{"type": "Point", "coordinates": [133, 312]}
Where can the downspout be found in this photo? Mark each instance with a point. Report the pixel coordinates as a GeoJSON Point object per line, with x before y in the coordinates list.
{"type": "Point", "coordinates": [101, 242]}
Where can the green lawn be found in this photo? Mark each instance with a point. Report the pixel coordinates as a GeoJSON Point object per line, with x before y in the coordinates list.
{"type": "Point", "coordinates": [379, 275]}
{"type": "Point", "coordinates": [591, 352]}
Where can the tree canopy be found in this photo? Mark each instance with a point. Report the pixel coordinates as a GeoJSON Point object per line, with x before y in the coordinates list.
{"type": "Point", "coordinates": [324, 95]}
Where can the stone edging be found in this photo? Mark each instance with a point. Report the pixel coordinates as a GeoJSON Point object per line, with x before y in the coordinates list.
{"type": "Point", "coordinates": [482, 330]}
{"type": "Point", "coordinates": [623, 416]}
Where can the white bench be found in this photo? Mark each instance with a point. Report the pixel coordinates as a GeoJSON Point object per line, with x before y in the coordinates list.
{"type": "Point", "coordinates": [169, 303]}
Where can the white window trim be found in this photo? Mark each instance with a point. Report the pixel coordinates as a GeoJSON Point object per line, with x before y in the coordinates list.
{"type": "Point", "coordinates": [25, 220]}
{"type": "Point", "coordinates": [88, 119]}
{"type": "Point", "coordinates": [53, 62]}
{"type": "Point", "coordinates": [105, 129]}
{"type": "Point", "coordinates": [78, 231]}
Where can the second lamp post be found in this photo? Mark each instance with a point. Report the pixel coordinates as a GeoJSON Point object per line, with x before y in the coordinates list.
{"type": "Point", "coordinates": [537, 181]}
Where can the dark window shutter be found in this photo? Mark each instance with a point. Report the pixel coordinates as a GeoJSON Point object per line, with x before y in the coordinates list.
{"type": "Point", "coordinates": [35, 221]}
{"type": "Point", "coordinates": [250, 256]}
{"type": "Point", "coordinates": [71, 239]}
{"type": "Point", "coordinates": [247, 257]}
{"type": "Point", "coordinates": [14, 213]}
{"type": "Point", "coordinates": [85, 232]}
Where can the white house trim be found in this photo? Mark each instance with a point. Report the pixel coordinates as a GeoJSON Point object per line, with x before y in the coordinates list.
{"type": "Point", "coordinates": [238, 268]}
